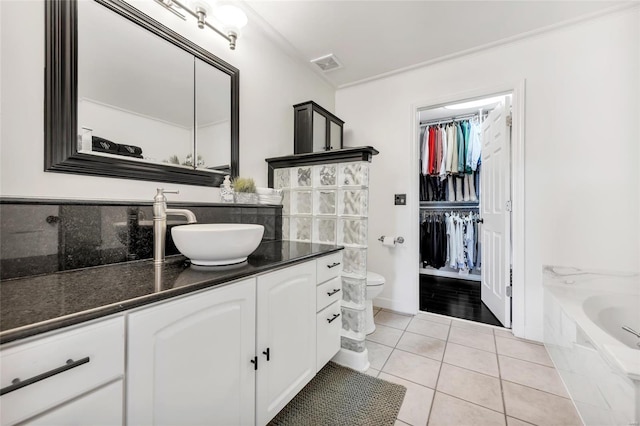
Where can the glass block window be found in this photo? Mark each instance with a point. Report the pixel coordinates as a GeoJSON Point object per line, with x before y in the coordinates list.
{"type": "Point", "coordinates": [353, 174]}
{"type": "Point", "coordinates": [324, 230]}
{"type": "Point", "coordinates": [300, 228]}
{"type": "Point", "coordinates": [325, 202]}
{"type": "Point", "coordinates": [355, 262]}
{"type": "Point", "coordinates": [325, 175]}
{"type": "Point", "coordinates": [282, 178]}
{"type": "Point", "coordinates": [353, 202]}
{"type": "Point", "coordinates": [301, 202]}
{"type": "Point", "coordinates": [352, 232]}
{"type": "Point", "coordinates": [301, 177]}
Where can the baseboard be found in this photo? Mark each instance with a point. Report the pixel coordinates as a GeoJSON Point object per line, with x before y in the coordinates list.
{"type": "Point", "coordinates": [391, 305]}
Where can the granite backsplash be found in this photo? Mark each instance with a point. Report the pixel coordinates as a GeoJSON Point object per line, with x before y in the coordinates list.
{"type": "Point", "coordinates": [45, 236]}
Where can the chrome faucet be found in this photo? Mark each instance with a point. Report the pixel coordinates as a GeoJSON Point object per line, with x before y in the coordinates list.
{"type": "Point", "coordinates": [160, 213]}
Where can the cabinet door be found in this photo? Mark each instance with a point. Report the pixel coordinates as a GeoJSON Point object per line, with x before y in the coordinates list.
{"type": "Point", "coordinates": [189, 360]}
{"type": "Point", "coordinates": [287, 328]}
{"type": "Point", "coordinates": [100, 407]}
{"type": "Point", "coordinates": [329, 326]}
{"type": "Point", "coordinates": [319, 132]}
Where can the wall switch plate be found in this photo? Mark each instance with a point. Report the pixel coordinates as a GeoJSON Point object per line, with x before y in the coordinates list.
{"type": "Point", "coordinates": [400, 199]}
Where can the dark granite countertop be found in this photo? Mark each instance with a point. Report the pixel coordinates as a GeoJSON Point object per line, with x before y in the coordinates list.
{"type": "Point", "coordinates": [37, 304]}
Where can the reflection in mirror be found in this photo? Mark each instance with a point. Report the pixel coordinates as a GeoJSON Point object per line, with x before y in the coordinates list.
{"type": "Point", "coordinates": [135, 91]}
{"type": "Point", "coordinates": [119, 98]}
{"type": "Point", "coordinates": [213, 118]}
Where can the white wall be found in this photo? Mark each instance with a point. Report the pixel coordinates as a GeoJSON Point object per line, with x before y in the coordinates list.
{"type": "Point", "coordinates": [216, 151]}
{"type": "Point", "coordinates": [581, 150]}
{"type": "Point", "coordinates": [270, 84]}
{"type": "Point", "coordinates": [159, 140]}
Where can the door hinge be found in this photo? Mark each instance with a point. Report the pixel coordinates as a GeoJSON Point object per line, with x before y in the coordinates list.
{"type": "Point", "coordinates": [508, 206]}
{"type": "Point", "coordinates": [509, 120]}
{"type": "Point", "coordinates": [509, 290]}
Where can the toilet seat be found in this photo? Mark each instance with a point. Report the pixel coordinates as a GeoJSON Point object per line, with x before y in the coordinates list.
{"type": "Point", "coordinates": [374, 279]}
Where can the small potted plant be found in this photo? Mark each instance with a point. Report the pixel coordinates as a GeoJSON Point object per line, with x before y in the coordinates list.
{"type": "Point", "coordinates": [245, 191]}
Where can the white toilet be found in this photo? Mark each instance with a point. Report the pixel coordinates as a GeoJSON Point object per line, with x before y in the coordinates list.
{"type": "Point", "coordinates": [375, 283]}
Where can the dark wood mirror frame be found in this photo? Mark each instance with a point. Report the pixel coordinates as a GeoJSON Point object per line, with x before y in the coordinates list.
{"type": "Point", "coordinates": [61, 104]}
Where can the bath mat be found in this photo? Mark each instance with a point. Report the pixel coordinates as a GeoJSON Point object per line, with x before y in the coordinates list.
{"type": "Point", "coordinates": [341, 396]}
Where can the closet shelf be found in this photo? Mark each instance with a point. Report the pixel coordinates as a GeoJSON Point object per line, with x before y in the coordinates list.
{"type": "Point", "coordinates": [446, 204]}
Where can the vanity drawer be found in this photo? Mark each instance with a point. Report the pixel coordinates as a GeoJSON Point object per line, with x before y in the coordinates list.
{"type": "Point", "coordinates": [328, 326]}
{"type": "Point", "coordinates": [328, 292]}
{"type": "Point", "coordinates": [97, 354]}
{"type": "Point", "coordinates": [329, 267]}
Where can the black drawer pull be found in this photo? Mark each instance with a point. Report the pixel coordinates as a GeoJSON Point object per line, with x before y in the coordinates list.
{"type": "Point", "coordinates": [330, 320]}
{"type": "Point", "coordinates": [267, 353]}
{"type": "Point", "coordinates": [18, 384]}
{"type": "Point", "coordinates": [333, 265]}
{"type": "Point", "coordinates": [254, 361]}
{"type": "Point", "coordinates": [331, 293]}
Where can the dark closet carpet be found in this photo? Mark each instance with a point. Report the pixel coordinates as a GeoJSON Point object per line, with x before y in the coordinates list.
{"type": "Point", "coordinates": [455, 298]}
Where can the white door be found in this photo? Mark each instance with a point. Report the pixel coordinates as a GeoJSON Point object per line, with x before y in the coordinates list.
{"type": "Point", "coordinates": [286, 331]}
{"type": "Point", "coordinates": [189, 360]}
{"type": "Point", "coordinates": [496, 229]}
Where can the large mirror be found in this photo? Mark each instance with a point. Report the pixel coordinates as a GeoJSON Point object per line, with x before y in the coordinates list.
{"type": "Point", "coordinates": [127, 97]}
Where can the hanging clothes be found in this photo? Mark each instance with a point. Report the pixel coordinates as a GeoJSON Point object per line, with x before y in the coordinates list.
{"type": "Point", "coordinates": [424, 156]}
{"type": "Point", "coordinates": [475, 146]}
{"type": "Point", "coordinates": [450, 239]}
{"type": "Point", "coordinates": [448, 152]}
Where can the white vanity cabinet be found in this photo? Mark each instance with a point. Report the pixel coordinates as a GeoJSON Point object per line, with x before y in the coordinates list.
{"type": "Point", "coordinates": [328, 307]}
{"type": "Point", "coordinates": [233, 355]}
{"type": "Point", "coordinates": [71, 377]}
{"type": "Point", "coordinates": [189, 360]}
{"type": "Point", "coordinates": [286, 337]}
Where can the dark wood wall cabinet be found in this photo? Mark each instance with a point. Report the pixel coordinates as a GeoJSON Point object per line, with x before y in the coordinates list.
{"type": "Point", "coordinates": [315, 129]}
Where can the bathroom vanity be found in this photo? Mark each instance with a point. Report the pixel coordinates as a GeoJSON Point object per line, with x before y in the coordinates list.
{"type": "Point", "coordinates": [229, 346]}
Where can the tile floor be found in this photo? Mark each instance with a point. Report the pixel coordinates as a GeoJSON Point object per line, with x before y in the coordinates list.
{"type": "Point", "coordinates": [462, 373]}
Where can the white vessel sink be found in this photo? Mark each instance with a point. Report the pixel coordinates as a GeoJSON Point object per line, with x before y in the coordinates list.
{"type": "Point", "coordinates": [214, 244]}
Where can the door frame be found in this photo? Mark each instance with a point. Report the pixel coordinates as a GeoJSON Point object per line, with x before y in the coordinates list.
{"type": "Point", "coordinates": [517, 90]}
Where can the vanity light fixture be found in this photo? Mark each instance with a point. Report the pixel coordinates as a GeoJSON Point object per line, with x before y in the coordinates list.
{"type": "Point", "coordinates": [231, 18]}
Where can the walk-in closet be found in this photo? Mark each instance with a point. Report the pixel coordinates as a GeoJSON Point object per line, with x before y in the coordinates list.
{"type": "Point", "coordinates": [464, 169]}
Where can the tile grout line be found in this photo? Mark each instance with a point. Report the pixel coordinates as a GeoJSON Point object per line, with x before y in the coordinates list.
{"type": "Point", "coordinates": [504, 404]}
{"type": "Point", "coordinates": [435, 390]}
{"type": "Point", "coordinates": [536, 389]}
{"type": "Point", "coordinates": [392, 350]}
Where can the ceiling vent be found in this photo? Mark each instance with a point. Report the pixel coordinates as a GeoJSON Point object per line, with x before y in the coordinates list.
{"type": "Point", "coordinates": [327, 63]}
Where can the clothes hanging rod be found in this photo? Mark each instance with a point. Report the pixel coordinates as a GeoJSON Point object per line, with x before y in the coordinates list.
{"type": "Point", "coordinates": [449, 120]}
{"type": "Point", "coordinates": [449, 207]}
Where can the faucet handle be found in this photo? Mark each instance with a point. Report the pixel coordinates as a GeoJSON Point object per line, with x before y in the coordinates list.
{"type": "Point", "coordinates": [168, 191]}
{"type": "Point", "coordinates": [159, 198]}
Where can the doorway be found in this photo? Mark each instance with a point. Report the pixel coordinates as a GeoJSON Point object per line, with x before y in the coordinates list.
{"type": "Point", "coordinates": [465, 207]}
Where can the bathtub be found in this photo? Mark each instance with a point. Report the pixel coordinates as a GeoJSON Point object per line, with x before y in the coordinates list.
{"type": "Point", "coordinates": [584, 312]}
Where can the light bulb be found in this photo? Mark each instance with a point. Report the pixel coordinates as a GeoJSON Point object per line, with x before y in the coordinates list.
{"type": "Point", "coordinates": [231, 17]}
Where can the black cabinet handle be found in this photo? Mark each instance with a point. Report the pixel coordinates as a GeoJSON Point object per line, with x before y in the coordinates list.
{"type": "Point", "coordinates": [330, 320]}
{"type": "Point", "coordinates": [18, 384]}
{"type": "Point", "coordinates": [267, 352]}
{"type": "Point", "coordinates": [333, 265]}
{"type": "Point", "coordinates": [254, 361]}
{"type": "Point", "coordinates": [331, 293]}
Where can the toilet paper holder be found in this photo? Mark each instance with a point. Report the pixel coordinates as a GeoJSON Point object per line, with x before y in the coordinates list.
{"type": "Point", "coordinates": [397, 240]}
